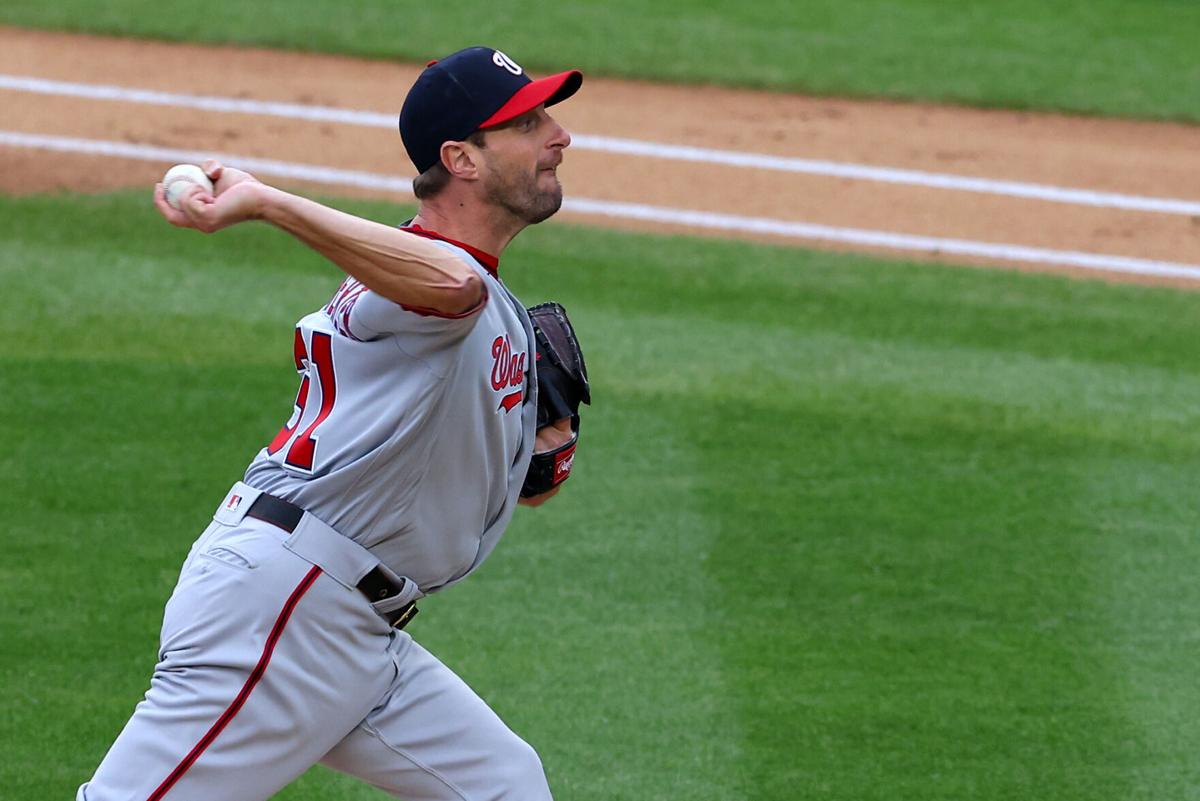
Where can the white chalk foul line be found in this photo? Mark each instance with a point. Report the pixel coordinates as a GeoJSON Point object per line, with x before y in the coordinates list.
{"type": "Point", "coordinates": [885, 239]}
{"type": "Point", "coordinates": [232, 105]}
{"type": "Point", "coordinates": [635, 211]}
{"type": "Point", "coordinates": [630, 147]}
{"type": "Point", "coordinates": [889, 175]}
{"type": "Point", "coordinates": [281, 169]}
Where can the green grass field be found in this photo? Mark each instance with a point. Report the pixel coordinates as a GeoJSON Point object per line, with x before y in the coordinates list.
{"type": "Point", "coordinates": [841, 528]}
{"type": "Point", "coordinates": [1122, 57]}
{"type": "Point", "coordinates": [844, 529]}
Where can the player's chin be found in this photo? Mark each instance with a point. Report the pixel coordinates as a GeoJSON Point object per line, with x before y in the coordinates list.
{"type": "Point", "coordinates": [544, 205]}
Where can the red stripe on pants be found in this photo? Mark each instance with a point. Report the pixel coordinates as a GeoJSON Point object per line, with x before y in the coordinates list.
{"type": "Point", "coordinates": [255, 676]}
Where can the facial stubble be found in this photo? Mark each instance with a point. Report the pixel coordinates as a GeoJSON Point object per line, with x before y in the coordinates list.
{"type": "Point", "coordinates": [518, 192]}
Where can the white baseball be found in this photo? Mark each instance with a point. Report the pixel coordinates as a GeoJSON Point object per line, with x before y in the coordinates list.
{"type": "Point", "coordinates": [179, 178]}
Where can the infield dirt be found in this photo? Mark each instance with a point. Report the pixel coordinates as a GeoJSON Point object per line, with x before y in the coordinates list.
{"type": "Point", "coordinates": [1105, 155]}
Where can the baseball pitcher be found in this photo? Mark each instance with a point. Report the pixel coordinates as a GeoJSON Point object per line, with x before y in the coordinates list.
{"type": "Point", "coordinates": [430, 403]}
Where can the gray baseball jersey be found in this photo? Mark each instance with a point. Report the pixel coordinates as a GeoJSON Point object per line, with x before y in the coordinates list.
{"type": "Point", "coordinates": [401, 420]}
{"type": "Point", "coordinates": [408, 446]}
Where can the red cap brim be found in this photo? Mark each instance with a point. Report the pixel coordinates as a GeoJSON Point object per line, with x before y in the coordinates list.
{"type": "Point", "coordinates": [550, 90]}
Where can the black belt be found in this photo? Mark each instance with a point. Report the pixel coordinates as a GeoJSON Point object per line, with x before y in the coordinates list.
{"type": "Point", "coordinates": [375, 585]}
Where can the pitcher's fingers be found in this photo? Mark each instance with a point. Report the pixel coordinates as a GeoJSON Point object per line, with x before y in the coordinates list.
{"type": "Point", "coordinates": [194, 202]}
{"type": "Point", "coordinates": [196, 190]}
{"type": "Point", "coordinates": [172, 214]}
{"type": "Point", "coordinates": [212, 168]}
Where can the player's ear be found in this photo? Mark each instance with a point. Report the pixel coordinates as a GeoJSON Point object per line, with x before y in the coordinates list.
{"type": "Point", "coordinates": [461, 160]}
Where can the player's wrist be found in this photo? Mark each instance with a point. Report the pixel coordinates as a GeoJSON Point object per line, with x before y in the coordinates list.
{"type": "Point", "coordinates": [268, 203]}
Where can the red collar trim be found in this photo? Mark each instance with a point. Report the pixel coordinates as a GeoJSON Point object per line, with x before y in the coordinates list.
{"type": "Point", "coordinates": [491, 263]}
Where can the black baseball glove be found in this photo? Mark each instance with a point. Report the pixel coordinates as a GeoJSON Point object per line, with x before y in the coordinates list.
{"type": "Point", "coordinates": [562, 386]}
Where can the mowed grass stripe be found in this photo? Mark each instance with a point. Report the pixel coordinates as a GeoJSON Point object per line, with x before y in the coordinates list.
{"type": "Point", "coordinates": [839, 530]}
{"type": "Point", "coordinates": [906, 474]}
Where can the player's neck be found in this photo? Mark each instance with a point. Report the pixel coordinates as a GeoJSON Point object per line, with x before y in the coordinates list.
{"type": "Point", "coordinates": [479, 228]}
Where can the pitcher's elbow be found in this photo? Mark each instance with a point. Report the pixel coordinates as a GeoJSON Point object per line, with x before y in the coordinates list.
{"type": "Point", "coordinates": [464, 295]}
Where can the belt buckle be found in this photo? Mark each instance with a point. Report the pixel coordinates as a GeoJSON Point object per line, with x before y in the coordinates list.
{"type": "Point", "coordinates": [407, 613]}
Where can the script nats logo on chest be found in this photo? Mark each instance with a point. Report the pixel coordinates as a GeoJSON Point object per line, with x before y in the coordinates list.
{"type": "Point", "coordinates": [508, 373]}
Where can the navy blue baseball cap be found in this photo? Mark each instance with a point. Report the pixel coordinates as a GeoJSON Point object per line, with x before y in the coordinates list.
{"type": "Point", "coordinates": [472, 89]}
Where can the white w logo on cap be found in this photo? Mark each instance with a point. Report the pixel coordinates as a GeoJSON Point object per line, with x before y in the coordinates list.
{"type": "Point", "coordinates": [501, 60]}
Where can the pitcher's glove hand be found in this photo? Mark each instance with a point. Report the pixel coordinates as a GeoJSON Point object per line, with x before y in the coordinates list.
{"type": "Point", "coordinates": [562, 386]}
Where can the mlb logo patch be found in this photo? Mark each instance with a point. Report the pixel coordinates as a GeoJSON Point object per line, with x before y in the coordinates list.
{"type": "Point", "coordinates": [233, 507]}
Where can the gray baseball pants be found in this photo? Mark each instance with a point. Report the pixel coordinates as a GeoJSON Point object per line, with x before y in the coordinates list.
{"type": "Point", "coordinates": [270, 661]}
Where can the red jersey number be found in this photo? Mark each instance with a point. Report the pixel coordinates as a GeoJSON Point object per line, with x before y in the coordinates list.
{"type": "Point", "coordinates": [302, 452]}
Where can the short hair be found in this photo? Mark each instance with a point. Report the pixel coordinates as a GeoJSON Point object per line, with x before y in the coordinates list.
{"type": "Point", "coordinates": [431, 182]}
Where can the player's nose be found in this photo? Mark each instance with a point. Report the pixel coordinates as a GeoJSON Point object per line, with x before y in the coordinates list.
{"type": "Point", "coordinates": [560, 138]}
